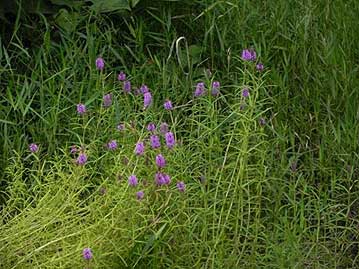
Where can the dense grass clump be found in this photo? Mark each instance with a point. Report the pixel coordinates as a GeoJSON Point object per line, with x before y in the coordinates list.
{"type": "Point", "coordinates": [205, 134]}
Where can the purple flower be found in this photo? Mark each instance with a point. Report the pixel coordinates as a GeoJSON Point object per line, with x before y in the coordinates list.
{"type": "Point", "coordinates": [155, 141]}
{"type": "Point", "coordinates": [127, 86]}
{"type": "Point", "coordinates": [121, 127]}
{"type": "Point", "coordinates": [33, 147]}
{"type": "Point", "coordinates": [112, 145]}
{"type": "Point", "coordinates": [144, 89]}
{"type": "Point", "coordinates": [87, 254]}
{"type": "Point", "coordinates": [262, 122]}
{"type": "Point", "coordinates": [246, 55]}
{"type": "Point", "coordinates": [140, 148]}
{"type": "Point", "coordinates": [107, 100]}
{"type": "Point", "coordinates": [73, 149]}
{"type": "Point", "coordinates": [81, 159]}
{"type": "Point", "coordinates": [100, 63]}
{"type": "Point", "coordinates": [81, 109]}
{"type": "Point", "coordinates": [167, 179]}
{"type": "Point", "coordinates": [132, 181]}
{"type": "Point", "coordinates": [164, 128]}
{"type": "Point", "coordinates": [170, 140]}
{"type": "Point", "coordinates": [249, 55]}
{"type": "Point", "coordinates": [162, 179]}
{"type": "Point", "coordinates": [200, 90]}
{"type": "Point", "coordinates": [147, 99]}
{"type": "Point", "coordinates": [245, 93]}
{"type": "Point", "coordinates": [140, 195]}
{"type": "Point", "coordinates": [254, 54]}
{"type": "Point", "coordinates": [181, 186]}
{"type": "Point", "coordinates": [260, 67]}
{"type": "Point", "coordinates": [215, 88]}
{"type": "Point", "coordinates": [159, 179]}
{"type": "Point", "coordinates": [168, 105]}
{"type": "Point", "coordinates": [121, 76]}
{"type": "Point", "coordinates": [160, 161]}
{"type": "Point", "coordinates": [151, 127]}
{"type": "Point", "coordinates": [216, 85]}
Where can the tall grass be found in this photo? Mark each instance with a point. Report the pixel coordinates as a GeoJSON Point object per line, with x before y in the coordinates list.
{"type": "Point", "coordinates": [283, 195]}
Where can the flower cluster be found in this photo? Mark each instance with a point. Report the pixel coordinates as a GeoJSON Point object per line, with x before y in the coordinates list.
{"type": "Point", "coordinates": [250, 55]}
{"type": "Point", "coordinates": [33, 148]}
{"type": "Point", "coordinates": [87, 254]}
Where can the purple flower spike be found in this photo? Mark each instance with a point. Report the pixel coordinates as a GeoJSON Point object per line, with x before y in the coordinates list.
{"type": "Point", "coordinates": [87, 254]}
{"type": "Point", "coordinates": [260, 67]}
{"type": "Point", "coordinates": [254, 54]}
{"type": "Point", "coordinates": [155, 142]}
{"type": "Point", "coordinates": [151, 127]}
{"type": "Point", "coordinates": [140, 195]}
{"type": "Point", "coordinates": [216, 85]}
{"type": "Point", "coordinates": [33, 147]}
{"type": "Point", "coordinates": [121, 76]}
{"type": "Point", "coordinates": [181, 186]}
{"type": "Point", "coordinates": [200, 89]}
{"type": "Point", "coordinates": [167, 179]}
{"type": "Point", "coordinates": [147, 99]}
{"type": "Point", "coordinates": [162, 179]}
{"type": "Point", "coordinates": [132, 181]}
{"type": "Point", "coordinates": [249, 55]}
{"type": "Point", "coordinates": [164, 128]}
{"type": "Point", "coordinates": [245, 93]}
{"type": "Point", "coordinates": [160, 161]}
{"type": "Point", "coordinates": [140, 148]}
{"type": "Point", "coordinates": [246, 55]}
{"type": "Point", "coordinates": [121, 127]}
{"type": "Point", "coordinates": [112, 145]}
{"type": "Point", "coordinates": [215, 88]}
{"type": "Point", "coordinates": [159, 179]}
{"type": "Point", "coordinates": [170, 140]}
{"type": "Point", "coordinates": [144, 89]}
{"type": "Point", "coordinates": [100, 63]}
{"type": "Point", "coordinates": [127, 86]}
{"type": "Point", "coordinates": [107, 100]}
{"type": "Point", "coordinates": [81, 109]}
{"type": "Point", "coordinates": [168, 105]}
{"type": "Point", "coordinates": [81, 159]}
